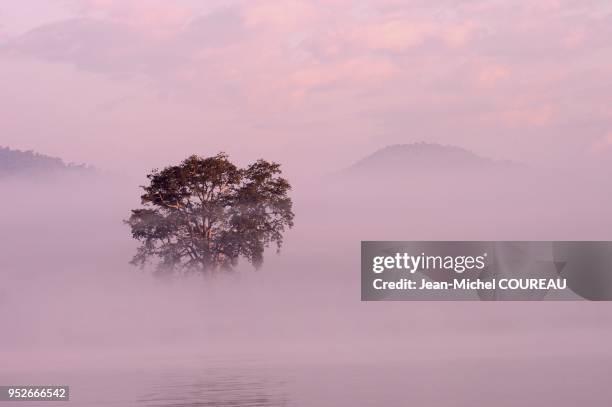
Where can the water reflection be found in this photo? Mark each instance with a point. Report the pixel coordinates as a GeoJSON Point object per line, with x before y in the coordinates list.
{"type": "Point", "coordinates": [217, 387]}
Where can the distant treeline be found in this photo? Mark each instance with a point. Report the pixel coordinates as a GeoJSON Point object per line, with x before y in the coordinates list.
{"type": "Point", "coordinates": [14, 162]}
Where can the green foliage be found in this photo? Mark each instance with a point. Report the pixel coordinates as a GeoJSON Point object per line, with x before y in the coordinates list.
{"type": "Point", "coordinates": [205, 213]}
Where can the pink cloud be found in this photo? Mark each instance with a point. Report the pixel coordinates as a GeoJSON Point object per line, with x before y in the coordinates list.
{"type": "Point", "coordinates": [285, 14]}
{"type": "Point", "coordinates": [490, 75]}
{"type": "Point", "coordinates": [399, 35]}
{"type": "Point", "coordinates": [393, 35]}
{"type": "Point", "coordinates": [575, 38]}
{"type": "Point", "coordinates": [150, 14]}
{"type": "Point", "coordinates": [455, 72]}
{"type": "Point", "coordinates": [602, 144]}
{"type": "Point", "coordinates": [528, 116]}
{"type": "Point", "coordinates": [457, 35]}
{"type": "Point", "coordinates": [362, 72]}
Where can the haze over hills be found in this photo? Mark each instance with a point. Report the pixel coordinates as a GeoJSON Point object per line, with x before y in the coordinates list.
{"type": "Point", "coordinates": [424, 157]}
{"type": "Point", "coordinates": [17, 162]}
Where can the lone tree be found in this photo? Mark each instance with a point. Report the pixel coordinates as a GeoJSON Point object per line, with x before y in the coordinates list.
{"type": "Point", "coordinates": [205, 213]}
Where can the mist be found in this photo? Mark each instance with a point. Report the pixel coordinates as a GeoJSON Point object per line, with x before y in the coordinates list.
{"type": "Point", "coordinates": [70, 301]}
{"type": "Point", "coordinates": [68, 285]}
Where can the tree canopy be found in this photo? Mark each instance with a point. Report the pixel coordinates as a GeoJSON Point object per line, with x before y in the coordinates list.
{"type": "Point", "coordinates": [205, 213]}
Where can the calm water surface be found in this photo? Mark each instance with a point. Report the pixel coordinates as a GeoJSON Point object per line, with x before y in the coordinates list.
{"type": "Point", "coordinates": [557, 382]}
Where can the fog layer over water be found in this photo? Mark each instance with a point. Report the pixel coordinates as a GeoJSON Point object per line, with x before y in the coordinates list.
{"type": "Point", "coordinates": [70, 303]}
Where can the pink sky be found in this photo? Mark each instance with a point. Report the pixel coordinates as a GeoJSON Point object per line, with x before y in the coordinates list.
{"type": "Point", "coordinates": [128, 84]}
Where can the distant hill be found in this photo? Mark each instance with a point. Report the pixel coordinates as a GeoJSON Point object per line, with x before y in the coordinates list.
{"type": "Point", "coordinates": [424, 158]}
{"type": "Point", "coordinates": [17, 162]}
